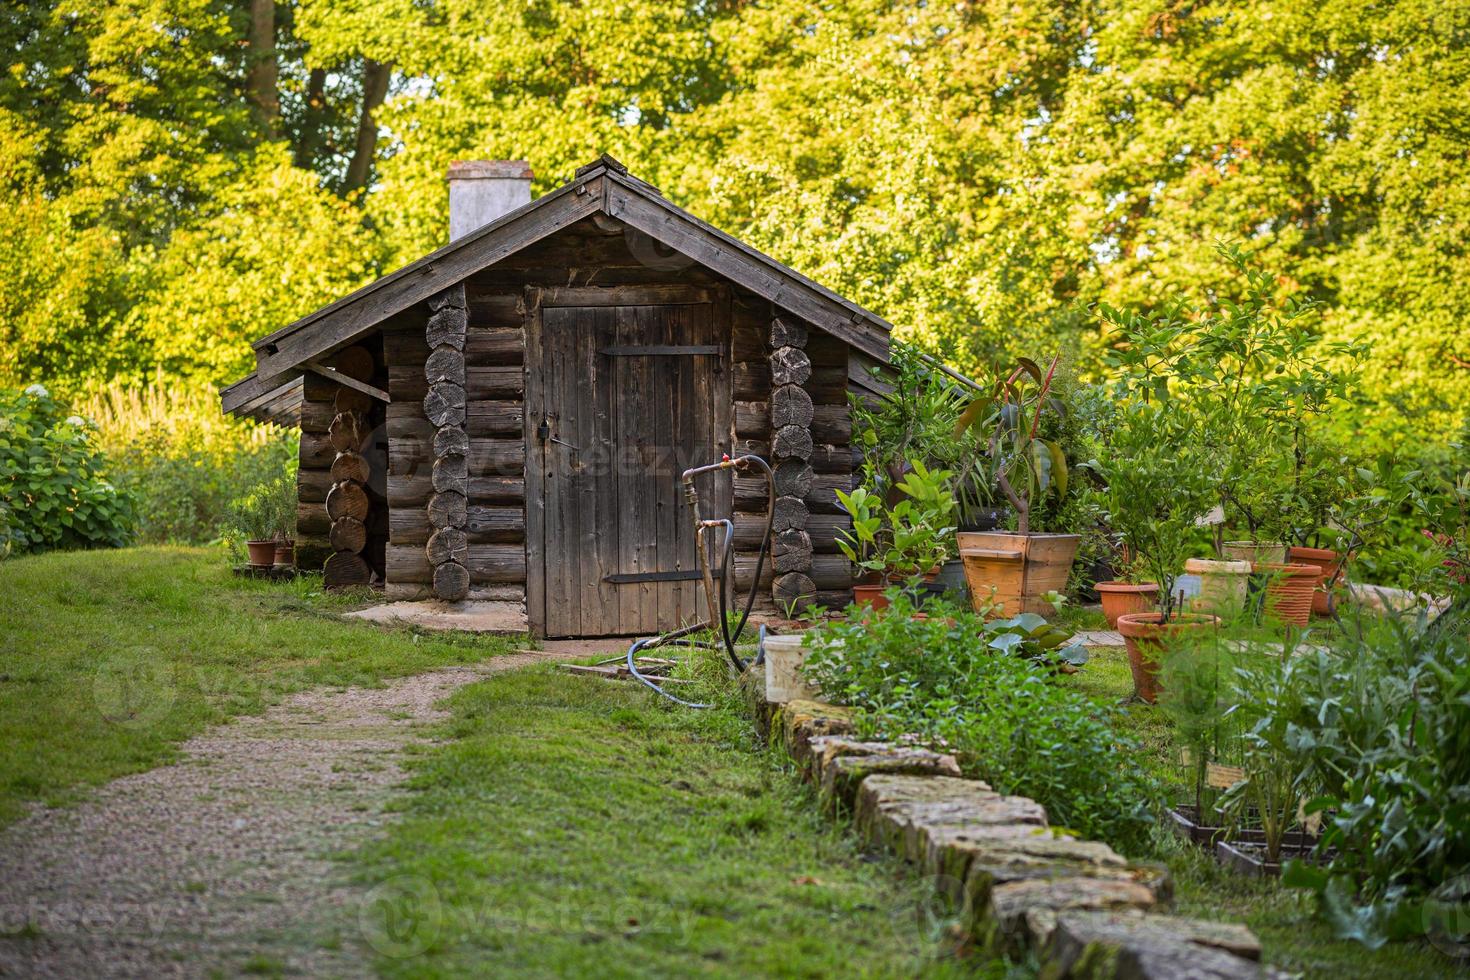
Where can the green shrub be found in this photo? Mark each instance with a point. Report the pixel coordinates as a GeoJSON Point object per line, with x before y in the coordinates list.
{"type": "Point", "coordinates": [946, 679]}
{"type": "Point", "coordinates": [1383, 727]}
{"type": "Point", "coordinates": [183, 460]}
{"type": "Point", "coordinates": [54, 489]}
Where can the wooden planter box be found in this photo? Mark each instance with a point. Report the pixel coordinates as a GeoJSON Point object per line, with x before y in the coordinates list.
{"type": "Point", "coordinates": [1014, 571]}
{"type": "Point", "coordinates": [1248, 857]}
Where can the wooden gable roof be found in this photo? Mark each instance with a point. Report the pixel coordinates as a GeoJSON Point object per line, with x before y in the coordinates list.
{"type": "Point", "coordinates": [602, 187]}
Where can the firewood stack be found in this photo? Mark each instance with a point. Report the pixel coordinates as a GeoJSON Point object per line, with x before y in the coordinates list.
{"type": "Point", "coordinates": [444, 406]}
{"type": "Point", "coordinates": [791, 451]}
{"type": "Point", "coordinates": [348, 505]}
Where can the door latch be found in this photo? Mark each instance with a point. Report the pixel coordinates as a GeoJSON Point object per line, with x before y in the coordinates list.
{"type": "Point", "coordinates": [543, 432]}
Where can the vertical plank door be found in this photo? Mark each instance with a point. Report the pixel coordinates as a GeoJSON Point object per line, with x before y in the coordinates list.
{"type": "Point", "coordinates": [631, 395]}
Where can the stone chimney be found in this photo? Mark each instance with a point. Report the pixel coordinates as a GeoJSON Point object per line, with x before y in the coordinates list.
{"type": "Point", "coordinates": [482, 190]}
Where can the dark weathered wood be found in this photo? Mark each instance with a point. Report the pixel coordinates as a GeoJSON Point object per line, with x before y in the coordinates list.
{"type": "Point", "coordinates": [498, 347]}
{"type": "Point", "coordinates": [752, 382]}
{"type": "Point", "coordinates": [451, 581]}
{"type": "Point", "coordinates": [638, 294]}
{"type": "Point", "coordinates": [317, 416]}
{"type": "Point", "coordinates": [451, 441]}
{"type": "Point", "coordinates": [451, 473]}
{"type": "Point", "coordinates": [345, 568]}
{"type": "Point", "coordinates": [352, 400]}
{"type": "Point", "coordinates": [821, 528]}
{"type": "Point", "coordinates": [445, 404]}
{"type": "Point", "coordinates": [483, 525]}
{"type": "Point", "coordinates": [487, 417]}
{"type": "Point", "coordinates": [347, 432]}
{"type": "Point", "coordinates": [792, 441]}
{"type": "Point", "coordinates": [448, 510]}
{"type": "Point", "coordinates": [480, 382]}
{"type": "Point", "coordinates": [356, 362]}
{"type": "Point", "coordinates": [786, 331]}
{"type": "Point", "coordinates": [791, 405]}
{"type": "Point", "coordinates": [413, 489]}
{"type": "Point", "coordinates": [317, 451]}
{"type": "Point", "coordinates": [405, 346]}
{"type": "Point", "coordinates": [832, 459]}
{"type": "Point", "coordinates": [788, 513]}
{"type": "Point", "coordinates": [312, 520]}
{"type": "Point", "coordinates": [373, 392]}
{"type": "Point", "coordinates": [493, 564]}
{"type": "Point", "coordinates": [348, 534]}
{"type": "Point", "coordinates": [790, 366]}
{"type": "Point", "coordinates": [494, 310]}
{"type": "Point", "coordinates": [351, 466]}
{"type": "Point", "coordinates": [450, 298]}
{"type": "Point", "coordinates": [828, 571]}
{"type": "Point", "coordinates": [832, 424]}
{"type": "Point", "coordinates": [312, 552]}
{"type": "Point", "coordinates": [347, 500]}
{"type": "Point", "coordinates": [448, 544]}
{"type": "Point", "coordinates": [750, 493]}
{"type": "Point", "coordinates": [446, 328]}
{"type": "Point", "coordinates": [444, 364]}
{"type": "Point", "coordinates": [792, 550]}
{"type": "Point", "coordinates": [312, 485]}
{"type": "Point", "coordinates": [793, 478]}
{"type": "Point", "coordinates": [794, 591]}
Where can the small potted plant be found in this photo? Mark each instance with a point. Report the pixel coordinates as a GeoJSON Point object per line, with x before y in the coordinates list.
{"type": "Point", "coordinates": [1158, 484]}
{"type": "Point", "coordinates": [904, 542]}
{"type": "Point", "coordinates": [1127, 595]}
{"type": "Point", "coordinates": [285, 494]}
{"type": "Point", "coordinates": [1011, 572]}
{"type": "Point", "coordinates": [254, 517]}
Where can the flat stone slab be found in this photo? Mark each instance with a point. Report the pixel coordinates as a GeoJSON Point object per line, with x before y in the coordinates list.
{"type": "Point", "coordinates": [803, 720]}
{"type": "Point", "coordinates": [1023, 913]}
{"type": "Point", "coordinates": [918, 817]}
{"type": "Point", "coordinates": [1096, 639]}
{"type": "Point", "coordinates": [471, 615]}
{"type": "Point", "coordinates": [840, 764]}
{"type": "Point", "coordinates": [1130, 946]}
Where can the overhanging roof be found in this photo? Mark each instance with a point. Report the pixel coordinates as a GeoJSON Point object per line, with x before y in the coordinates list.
{"type": "Point", "coordinates": [603, 186]}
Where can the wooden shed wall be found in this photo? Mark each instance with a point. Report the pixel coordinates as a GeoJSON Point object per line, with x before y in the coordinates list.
{"type": "Point", "coordinates": [495, 391]}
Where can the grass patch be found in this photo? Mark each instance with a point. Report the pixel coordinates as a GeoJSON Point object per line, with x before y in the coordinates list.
{"type": "Point", "coordinates": [1284, 919]}
{"type": "Point", "coordinates": [110, 659]}
{"type": "Point", "coordinates": [576, 827]}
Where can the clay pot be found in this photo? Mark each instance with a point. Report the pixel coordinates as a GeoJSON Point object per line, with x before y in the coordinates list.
{"type": "Point", "coordinates": [1289, 592]}
{"type": "Point", "coordinates": [1330, 562]}
{"type": "Point", "coordinates": [1009, 573]}
{"type": "Point", "coordinates": [1223, 585]}
{"type": "Point", "coordinates": [1255, 552]}
{"type": "Point", "coordinates": [1147, 637]}
{"type": "Point", "coordinates": [1123, 598]}
{"type": "Point", "coordinates": [285, 554]}
{"type": "Point", "coordinates": [870, 595]}
{"type": "Point", "coordinates": [262, 553]}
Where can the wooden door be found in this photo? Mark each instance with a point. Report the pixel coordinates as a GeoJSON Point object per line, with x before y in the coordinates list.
{"type": "Point", "coordinates": [627, 388]}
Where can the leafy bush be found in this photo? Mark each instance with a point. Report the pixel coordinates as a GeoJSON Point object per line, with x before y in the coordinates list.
{"type": "Point", "coordinates": [1383, 727]}
{"type": "Point", "coordinates": [182, 459]}
{"type": "Point", "coordinates": [54, 490]}
{"type": "Point", "coordinates": [948, 679]}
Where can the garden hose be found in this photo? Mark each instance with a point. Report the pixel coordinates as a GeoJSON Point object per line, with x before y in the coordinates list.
{"type": "Point", "coordinates": [680, 636]}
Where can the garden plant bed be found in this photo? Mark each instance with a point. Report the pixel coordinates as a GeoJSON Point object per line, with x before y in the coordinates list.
{"type": "Point", "coordinates": [1181, 821]}
{"type": "Point", "coordinates": [1247, 855]}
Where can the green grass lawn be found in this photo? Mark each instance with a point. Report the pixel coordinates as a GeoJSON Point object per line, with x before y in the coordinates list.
{"type": "Point", "coordinates": [577, 827]}
{"type": "Point", "coordinates": [110, 659]}
{"type": "Point", "coordinates": [1285, 919]}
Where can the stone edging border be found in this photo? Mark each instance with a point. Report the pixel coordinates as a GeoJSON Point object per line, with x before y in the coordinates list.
{"type": "Point", "coordinates": [1077, 906]}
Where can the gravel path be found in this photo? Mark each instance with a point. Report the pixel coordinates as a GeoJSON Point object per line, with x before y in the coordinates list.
{"type": "Point", "coordinates": [222, 863]}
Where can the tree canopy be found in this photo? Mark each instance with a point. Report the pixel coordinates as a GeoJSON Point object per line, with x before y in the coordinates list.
{"type": "Point", "coordinates": [182, 175]}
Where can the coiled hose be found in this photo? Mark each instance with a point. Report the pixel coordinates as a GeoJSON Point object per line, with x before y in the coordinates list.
{"type": "Point", "coordinates": [679, 637]}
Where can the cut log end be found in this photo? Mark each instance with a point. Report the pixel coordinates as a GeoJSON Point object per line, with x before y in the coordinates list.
{"type": "Point", "coordinates": [451, 581]}
{"type": "Point", "coordinates": [790, 366]}
{"type": "Point", "coordinates": [349, 534]}
{"type": "Point", "coordinates": [448, 510]}
{"type": "Point", "coordinates": [787, 331]}
{"type": "Point", "coordinates": [347, 499]}
{"type": "Point", "coordinates": [788, 513]}
{"type": "Point", "coordinates": [792, 442]}
{"type": "Point", "coordinates": [793, 592]}
{"type": "Point", "coordinates": [444, 405]}
{"type": "Point", "coordinates": [344, 569]}
{"type": "Point", "coordinates": [351, 466]}
{"type": "Point", "coordinates": [446, 545]}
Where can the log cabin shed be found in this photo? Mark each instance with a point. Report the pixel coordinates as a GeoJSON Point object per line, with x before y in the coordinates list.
{"type": "Point", "coordinates": [507, 418]}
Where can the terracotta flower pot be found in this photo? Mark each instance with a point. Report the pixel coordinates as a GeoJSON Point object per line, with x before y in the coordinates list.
{"type": "Point", "coordinates": [870, 595]}
{"type": "Point", "coordinates": [1255, 552]}
{"type": "Point", "coordinates": [1289, 592]}
{"type": "Point", "coordinates": [1330, 562]}
{"type": "Point", "coordinates": [1223, 585]}
{"type": "Point", "coordinates": [262, 553]}
{"type": "Point", "coordinates": [1009, 573]}
{"type": "Point", "coordinates": [1147, 637]}
{"type": "Point", "coordinates": [285, 554]}
{"type": "Point", "coordinates": [1123, 598]}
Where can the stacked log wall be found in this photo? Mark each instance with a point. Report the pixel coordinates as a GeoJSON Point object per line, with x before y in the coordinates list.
{"type": "Point", "coordinates": [494, 385]}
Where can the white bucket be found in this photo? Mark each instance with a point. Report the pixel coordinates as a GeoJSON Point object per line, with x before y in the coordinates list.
{"type": "Point", "coordinates": [784, 657]}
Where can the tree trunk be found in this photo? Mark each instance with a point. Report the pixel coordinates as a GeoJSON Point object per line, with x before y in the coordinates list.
{"type": "Point", "coordinates": [313, 116]}
{"type": "Point", "coordinates": [264, 73]}
{"type": "Point", "coordinates": [375, 77]}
